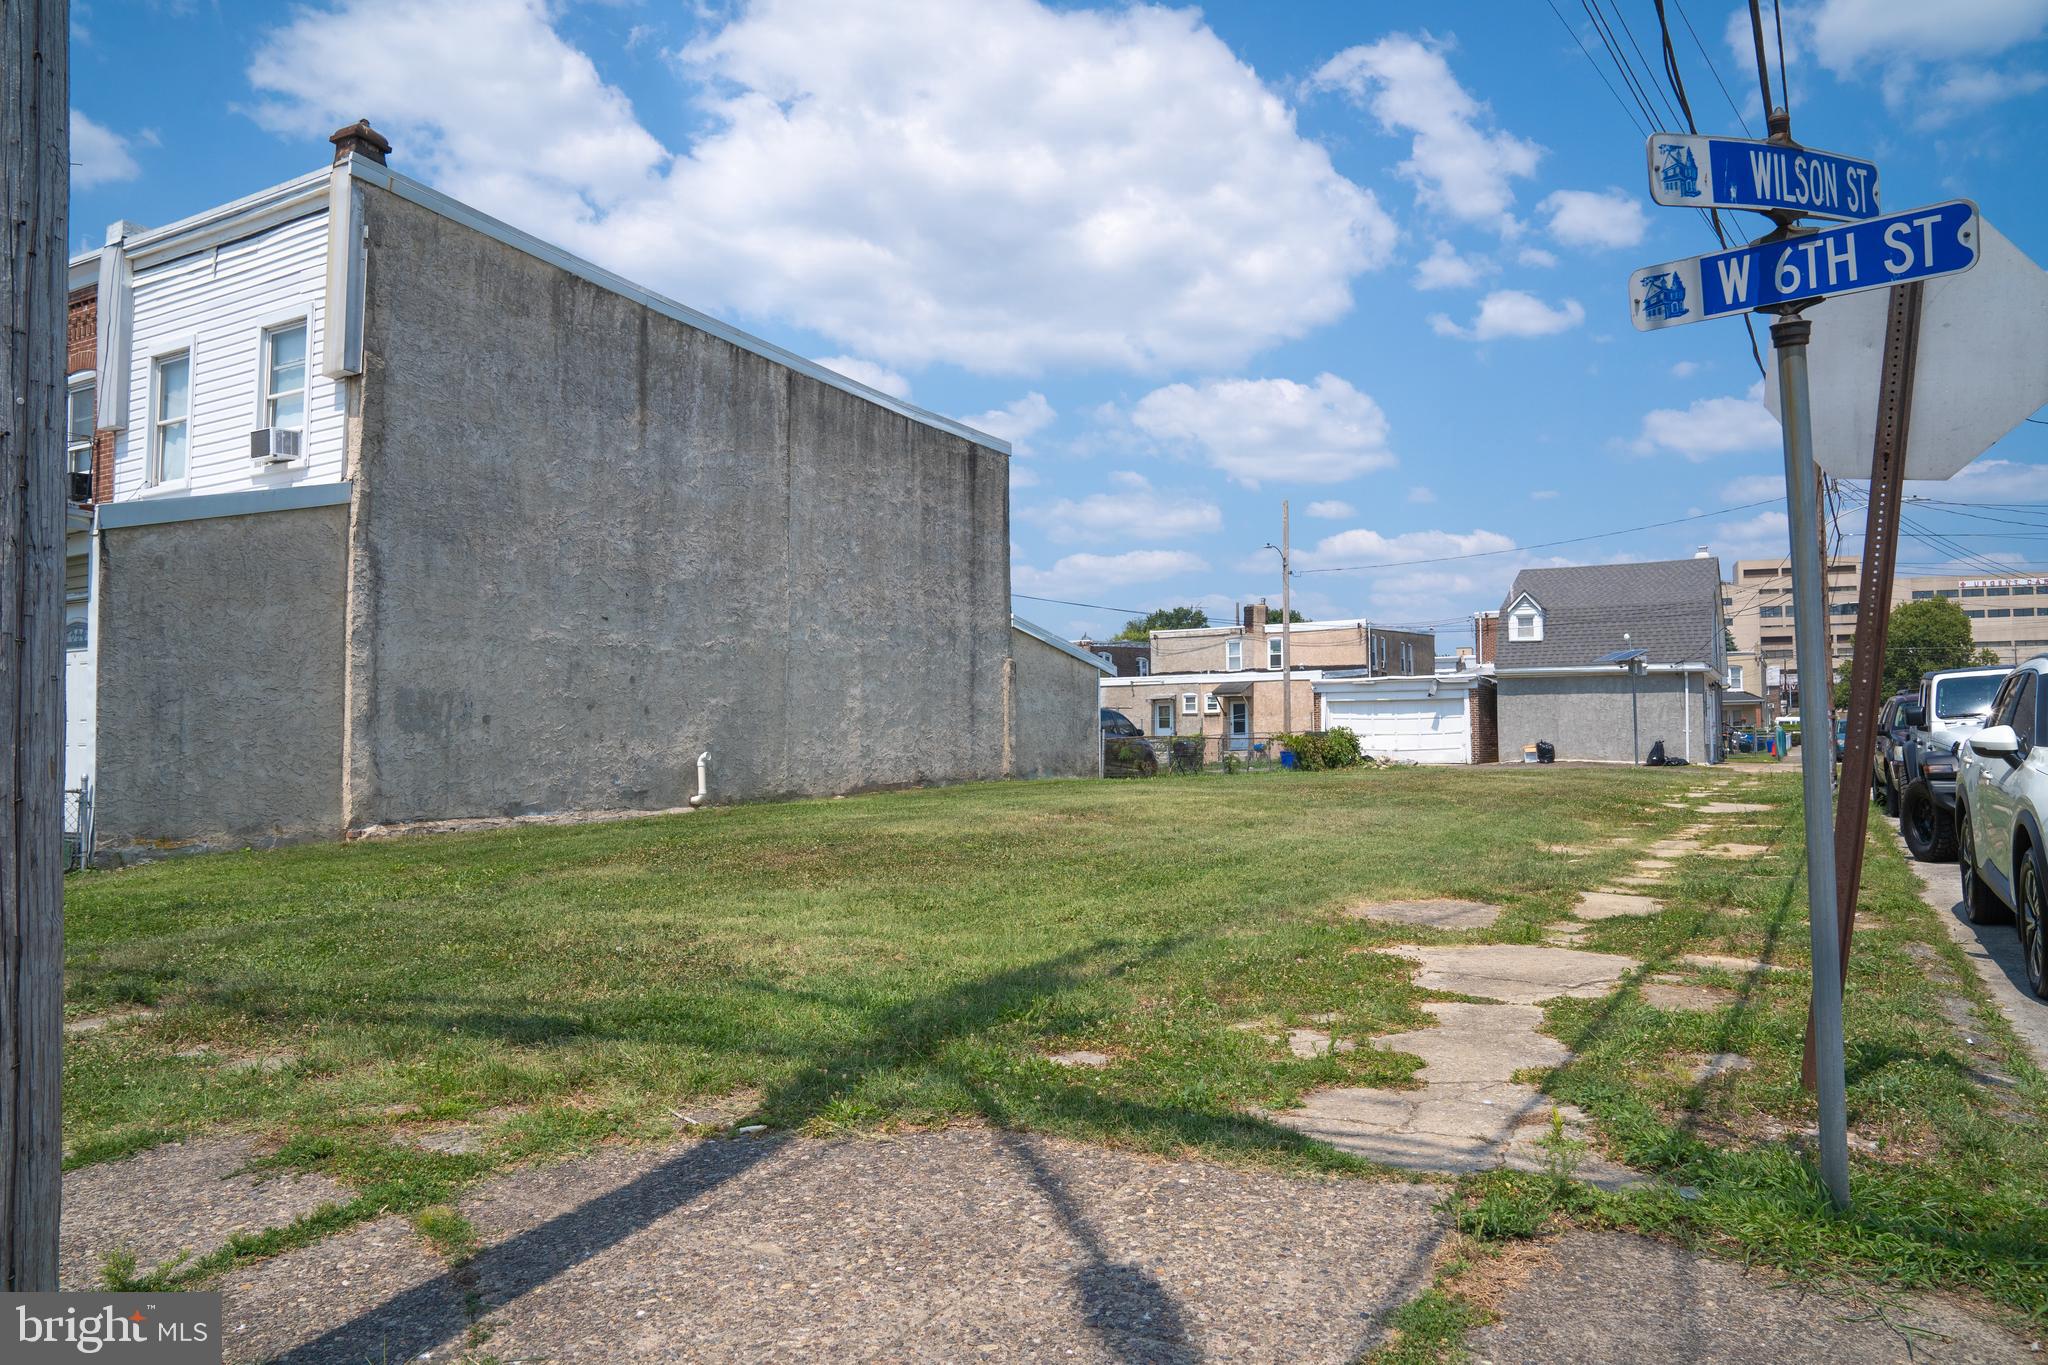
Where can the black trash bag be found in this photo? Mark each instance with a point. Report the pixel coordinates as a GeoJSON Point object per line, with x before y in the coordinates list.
{"type": "Point", "coordinates": [1657, 759]}
{"type": "Point", "coordinates": [1546, 752]}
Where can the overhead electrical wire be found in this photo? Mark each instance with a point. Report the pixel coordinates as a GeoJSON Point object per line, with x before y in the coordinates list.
{"type": "Point", "coordinates": [1542, 544]}
{"type": "Point", "coordinates": [1626, 111]}
{"type": "Point", "coordinates": [1712, 66]}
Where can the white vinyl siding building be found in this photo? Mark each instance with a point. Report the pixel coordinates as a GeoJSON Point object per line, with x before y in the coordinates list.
{"type": "Point", "coordinates": [234, 312]}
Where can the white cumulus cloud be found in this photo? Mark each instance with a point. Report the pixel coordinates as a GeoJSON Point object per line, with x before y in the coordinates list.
{"type": "Point", "coordinates": [1512, 313]}
{"type": "Point", "coordinates": [1709, 426]}
{"type": "Point", "coordinates": [1004, 186]}
{"type": "Point", "coordinates": [1602, 218]}
{"type": "Point", "coordinates": [1444, 268]}
{"type": "Point", "coordinates": [1332, 509]}
{"type": "Point", "coordinates": [1016, 422]}
{"type": "Point", "coordinates": [1459, 162]}
{"type": "Point", "coordinates": [1077, 574]}
{"type": "Point", "coordinates": [1258, 429]}
{"type": "Point", "coordinates": [1356, 547]}
{"type": "Point", "coordinates": [1932, 63]}
{"type": "Point", "coordinates": [1132, 510]}
{"type": "Point", "coordinates": [878, 377]}
{"type": "Point", "coordinates": [99, 155]}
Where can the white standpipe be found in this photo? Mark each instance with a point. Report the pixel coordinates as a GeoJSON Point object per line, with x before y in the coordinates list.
{"type": "Point", "coordinates": [702, 759]}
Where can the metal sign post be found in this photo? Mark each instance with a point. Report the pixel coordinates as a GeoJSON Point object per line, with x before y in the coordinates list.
{"type": "Point", "coordinates": [1867, 658]}
{"type": "Point", "coordinates": [1810, 604]}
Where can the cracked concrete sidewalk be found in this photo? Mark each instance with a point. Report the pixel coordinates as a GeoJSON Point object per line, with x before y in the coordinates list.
{"type": "Point", "coordinates": [963, 1244]}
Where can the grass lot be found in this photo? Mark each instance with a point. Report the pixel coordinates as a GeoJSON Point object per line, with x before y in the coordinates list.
{"type": "Point", "coordinates": [913, 958]}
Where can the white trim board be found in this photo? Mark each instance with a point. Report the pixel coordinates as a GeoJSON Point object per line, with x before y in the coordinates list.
{"type": "Point", "coordinates": [159, 511]}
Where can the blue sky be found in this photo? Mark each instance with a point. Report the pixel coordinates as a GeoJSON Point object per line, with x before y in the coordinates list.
{"type": "Point", "coordinates": [1371, 259]}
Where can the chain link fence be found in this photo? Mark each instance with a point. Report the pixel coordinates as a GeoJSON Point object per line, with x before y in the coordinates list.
{"type": "Point", "coordinates": [77, 825]}
{"type": "Point", "coordinates": [1189, 755]}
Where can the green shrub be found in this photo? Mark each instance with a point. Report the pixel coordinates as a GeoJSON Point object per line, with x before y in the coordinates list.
{"type": "Point", "coordinates": [1316, 750]}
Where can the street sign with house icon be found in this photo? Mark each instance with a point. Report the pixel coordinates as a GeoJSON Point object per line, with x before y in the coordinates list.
{"type": "Point", "coordinates": [1694, 172]}
{"type": "Point", "coordinates": [1876, 253]}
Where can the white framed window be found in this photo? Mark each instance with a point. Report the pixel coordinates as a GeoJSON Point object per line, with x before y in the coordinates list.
{"type": "Point", "coordinates": [170, 410]}
{"type": "Point", "coordinates": [1211, 706]}
{"type": "Point", "coordinates": [1407, 658]}
{"type": "Point", "coordinates": [1735, 677]}
{"type": "Point", "coordinates": [1162, 717]}
{"type": "Point", "coordinates": [78, 425]}
{"type": "Point", "coordinates": [1189, 701]}
{"type": "Point", "coordinates": [1525, 624]}
{"type": "Point", "coordinates": [1276, 652]}
{"type": "Point", "coordinates": [1379, 651]}
{"type": "Point", "coordinates": [1144, 666]}
{"type": "Point", "coordinates": [282, 367]}
{"type": "Point", "coordinates": [1233, 655]}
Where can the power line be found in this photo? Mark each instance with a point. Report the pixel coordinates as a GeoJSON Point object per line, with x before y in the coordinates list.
{"type": "Point", "coordinates": [1626, 111]}
{"type": "Point", "coordinates": [1712, 67]}
{"type": "Point", "coordinates": [1621, 66]}
{"type": "Point", "coordinates": [1545, 544]}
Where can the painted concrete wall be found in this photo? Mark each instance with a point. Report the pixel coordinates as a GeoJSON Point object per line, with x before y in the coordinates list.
{"type": "Point", "coordinates": [216, 305]}
{"type": "Point", "coordinates": [1587, 717]}
{"type": "Point", "coordinates": [592, 541]}
{"type": "Point", "coordinates": [1056, 730]}
{"type": "Point", "coordinates": [220, 682]}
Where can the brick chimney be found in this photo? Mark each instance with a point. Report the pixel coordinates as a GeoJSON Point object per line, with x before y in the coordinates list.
{"type": "Point", "coordinates": [1255, 615]}
{"type": "Point", "coordinates": [360, 139]}
{"type": "Point", "coordinates": [1486, 625]}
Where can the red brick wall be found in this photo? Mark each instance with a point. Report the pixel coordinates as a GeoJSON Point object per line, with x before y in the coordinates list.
{"type": "Point", "coordinates": [1489, 636]}
{"type": "Point", "coordinates": [83, 331]}
{"type": "Point", "coordinates": [81, 353]}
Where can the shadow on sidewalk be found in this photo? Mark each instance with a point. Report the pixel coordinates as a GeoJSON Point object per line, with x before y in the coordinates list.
{"type": "Point", "coordinates": [1129, 1312]}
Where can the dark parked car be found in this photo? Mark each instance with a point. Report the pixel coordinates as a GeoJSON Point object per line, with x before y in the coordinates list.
{"type": "Point", "coordinates": [1889, 744]}
{"type": "Point", "coordinates": [1124, 750]}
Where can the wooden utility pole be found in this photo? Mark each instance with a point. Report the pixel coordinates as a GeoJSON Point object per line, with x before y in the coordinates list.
{"type": "Point", "coordinates": [1287, 625]}
{"type": "Point", "coordinates": [35, 169]}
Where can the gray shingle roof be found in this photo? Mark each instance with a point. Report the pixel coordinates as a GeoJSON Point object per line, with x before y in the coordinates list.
{"type": "Point", "coordinates": [1668, 607]}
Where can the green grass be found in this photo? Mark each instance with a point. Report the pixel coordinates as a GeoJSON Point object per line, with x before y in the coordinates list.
{"type": "Point", "coordinates": [912, 959]}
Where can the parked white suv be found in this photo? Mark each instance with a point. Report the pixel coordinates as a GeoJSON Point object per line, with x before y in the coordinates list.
{"type": "Point", "coordinates": [2001, 794]}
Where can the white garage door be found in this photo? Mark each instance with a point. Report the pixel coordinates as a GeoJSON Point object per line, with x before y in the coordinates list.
{"type": "Point", "coordinates": [1417, 729]}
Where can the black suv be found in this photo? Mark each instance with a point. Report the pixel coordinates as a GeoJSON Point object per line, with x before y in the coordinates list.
{"type": "Point", "coordinates": [1124, 750]}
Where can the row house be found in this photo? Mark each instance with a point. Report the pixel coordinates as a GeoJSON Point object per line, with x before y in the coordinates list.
{"type": "Point", "coordinates": [389, 512]}
{"type": "Point", "coordinates": [1234, 686]}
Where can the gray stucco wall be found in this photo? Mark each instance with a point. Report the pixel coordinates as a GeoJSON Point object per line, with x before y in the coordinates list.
{"type": "Point", "coordinates": [591, 541]}
{"type": "Point", "coordinates": [219, 688]}
{"type": "Point", "coordinates": [1057, 731]}
{"type": "Point", "coordinates": [1587, 717]}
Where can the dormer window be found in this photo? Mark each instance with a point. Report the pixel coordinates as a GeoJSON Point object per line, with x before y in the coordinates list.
{"type": "Point", "coordinates": [1525, 622]}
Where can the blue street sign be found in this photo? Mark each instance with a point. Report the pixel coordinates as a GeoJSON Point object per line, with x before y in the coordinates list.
{"type": "Point", "coordinates": [1692, 172]}
{"type": "Point", "coordinates": [1918, 244]}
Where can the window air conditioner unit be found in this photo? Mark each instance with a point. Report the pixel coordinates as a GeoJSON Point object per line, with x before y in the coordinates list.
{"type": "Point", "coordinates": [274, 445]}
